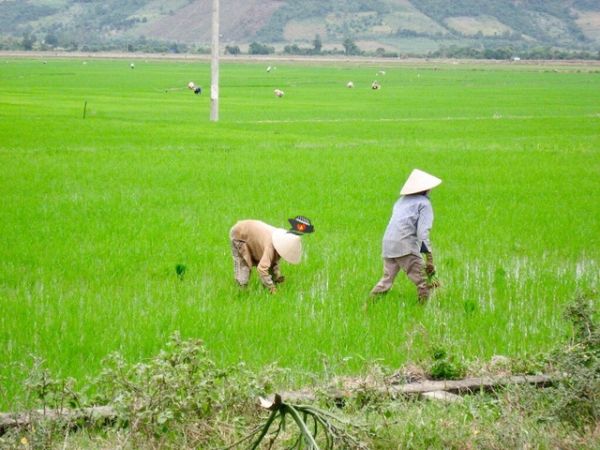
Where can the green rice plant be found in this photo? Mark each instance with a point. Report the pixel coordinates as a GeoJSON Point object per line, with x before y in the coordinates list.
{"type": "Point", "coordinates": [180, 271]}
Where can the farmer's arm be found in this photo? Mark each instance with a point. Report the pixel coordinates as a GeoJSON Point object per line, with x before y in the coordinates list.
{"type": "Point", "coordinates": [277, 276]}
{"type": "Point", "coordinates": [424, 224]}
{"type": "Point", "coordinates": [263, 268]}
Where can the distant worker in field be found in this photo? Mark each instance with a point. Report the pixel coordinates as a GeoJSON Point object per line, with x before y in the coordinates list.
{"type": "Point", "coordinates": [192, 86]}
{"type": "Point", "coordinates": [406, 237]}
{"type": "Point", "coordinates": [256, 243]}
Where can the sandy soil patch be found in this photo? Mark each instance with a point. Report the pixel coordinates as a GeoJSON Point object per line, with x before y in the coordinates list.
{"type": "Point", "coordinates": [590, 25]}
{"type": "Point", "coordinates": [469, 26]}
{"type": "Point", "coordinates": [304, 30]}
{"type": "Point", "coordinates": [239, 18]}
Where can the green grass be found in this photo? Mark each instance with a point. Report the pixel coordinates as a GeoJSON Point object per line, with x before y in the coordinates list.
{"type": "Point", "coordinates": [96, 213]}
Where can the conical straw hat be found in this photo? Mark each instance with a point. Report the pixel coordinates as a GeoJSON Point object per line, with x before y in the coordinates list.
{"type": "Point", "coordinates": [419, 181]}
{"type": "Point", "coordinates": [288, 245]}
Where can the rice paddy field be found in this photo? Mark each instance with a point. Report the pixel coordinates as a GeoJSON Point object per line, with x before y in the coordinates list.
{"type": "Point", "coordinates": [100, 205]}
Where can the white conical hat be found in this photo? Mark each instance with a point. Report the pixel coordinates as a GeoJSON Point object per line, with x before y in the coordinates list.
{"type": "Point", "coordinates": [419, 181]}
{"type": "Point", "coordinates": [288, 245]}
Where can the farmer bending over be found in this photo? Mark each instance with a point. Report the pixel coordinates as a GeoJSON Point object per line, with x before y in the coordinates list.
{"type": "Point", "coordinates": [197, 89]}
{"type": "Point", "coordinates": [407, 236]}
{"type": "Point", "coordinates": [256, 243]}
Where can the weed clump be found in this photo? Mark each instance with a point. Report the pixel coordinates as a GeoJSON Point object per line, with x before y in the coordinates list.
{"type": "Point", "coordinates": [578, 392]}
{"type": "Point", "coordinates": [445, 366]}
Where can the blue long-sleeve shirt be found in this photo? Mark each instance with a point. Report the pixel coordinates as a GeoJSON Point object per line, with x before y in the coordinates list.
{"type": "Point", "coordinates": [408, 229]}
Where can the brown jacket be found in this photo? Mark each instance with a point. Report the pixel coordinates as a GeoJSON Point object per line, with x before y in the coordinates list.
{"type": "Point", "coordinates": [258, 248]}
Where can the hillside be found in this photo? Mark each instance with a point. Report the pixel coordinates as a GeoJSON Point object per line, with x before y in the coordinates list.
{"type": "Point", "coordinates": [401, 26]}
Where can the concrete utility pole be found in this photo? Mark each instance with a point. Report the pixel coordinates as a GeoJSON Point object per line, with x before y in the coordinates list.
{"type": "Point", "coordinates": [214, 64]}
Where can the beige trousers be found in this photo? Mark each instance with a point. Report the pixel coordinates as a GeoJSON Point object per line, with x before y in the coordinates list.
{"type": "Point", "coordinates": [412, 265]}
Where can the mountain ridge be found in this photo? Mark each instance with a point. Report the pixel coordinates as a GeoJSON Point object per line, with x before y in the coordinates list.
{"type": "Point", "coordinates": [401, 26]}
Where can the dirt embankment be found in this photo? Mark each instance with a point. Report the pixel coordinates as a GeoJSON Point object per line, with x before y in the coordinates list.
{"type": "Point", "coordinates": [565, 64]}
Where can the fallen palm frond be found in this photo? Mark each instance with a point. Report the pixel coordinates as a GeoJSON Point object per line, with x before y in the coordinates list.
{"type": "Point", "coordinates": [310, 421]}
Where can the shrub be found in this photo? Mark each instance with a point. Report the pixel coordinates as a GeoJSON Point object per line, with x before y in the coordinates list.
{"type": "Point", "coordinates": [445, 367]}
{"type": "Point", "coordinates": [260, 49]}
{"type": "Point", "coordinates": [179, 385]}
{"type": "Point", "coordinates": [578, 393]}
{"type": "Point", "coordinates": [232, 50]}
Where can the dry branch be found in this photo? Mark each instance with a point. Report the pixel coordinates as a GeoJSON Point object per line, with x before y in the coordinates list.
{"type": "Point", "coordinates": [88, 415]}
{"type": "Point", "coordinates": [465, 386]}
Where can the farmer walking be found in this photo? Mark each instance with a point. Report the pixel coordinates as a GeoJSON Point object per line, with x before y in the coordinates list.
{"type": "Point", "coordinates": [256, 243]}
{"type": "Point", "coordinates": [406, 237]}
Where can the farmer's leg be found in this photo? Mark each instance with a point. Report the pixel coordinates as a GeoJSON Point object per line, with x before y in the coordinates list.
{"type": "Point", "coordinates": [414, 267]}
{"type": "Point", "coordinates": [390, 270]}
{"type": "Point", "coordinates": [241, 271]}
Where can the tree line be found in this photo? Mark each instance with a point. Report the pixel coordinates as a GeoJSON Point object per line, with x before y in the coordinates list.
{"type": "Point", "coordinates": [54, 42]}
